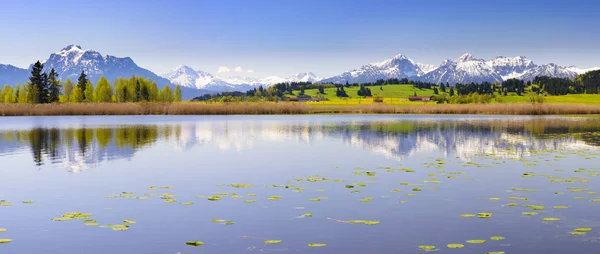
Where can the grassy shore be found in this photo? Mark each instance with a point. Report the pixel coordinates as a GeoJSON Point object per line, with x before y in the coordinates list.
{"type": "Point", "coordinates": [283, 108]}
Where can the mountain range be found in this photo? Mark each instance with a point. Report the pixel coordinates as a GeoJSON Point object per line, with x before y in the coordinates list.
{"type": "Point", "coordinates": [71, 60]}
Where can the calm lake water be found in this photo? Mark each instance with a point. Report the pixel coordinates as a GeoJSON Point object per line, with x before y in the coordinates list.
{"type": "Point", "coordinates": [411, 177]}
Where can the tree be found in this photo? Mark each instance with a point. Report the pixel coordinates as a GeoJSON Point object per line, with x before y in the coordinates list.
{"type": "Point", "coordinates": [76, 95]}
{"type": "Point", "coordinates": [82, 83]}
{"type": "Point", "coordinates": [451, 91]}
{"type": "Point", "coordinates": [177, 94]}
{"type": "Point", "coordinates": [381, 88]}
{"type": "Point", "coordinates": [321, 89]}
{"type": "Point", "coordinates": [103, 91]}
{"type": "Point", "coordinates": [67, 89]}
{"type": "Point", "coordinates": [88, 93]}
{"type": "Point", "coordinates": [443, 87]}
{"type": "Point", "coordinates": [7, 95]}
{"type": "Point", "coordinates": [53, 87]}
{"type": "Point", "coordinates": [415, 94]}
{"type": "Point", "coordinates": [138, 91]}
{"type": "Point", "coordinates": [301, 90]}
{"type": "Point", "coordinates": [39, 81]}
{"type": "Point", "coordinates": [22, 93]}
{"type": "Point", "coordinates": [166, 95]}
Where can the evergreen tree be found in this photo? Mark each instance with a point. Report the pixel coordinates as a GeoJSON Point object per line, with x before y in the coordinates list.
{"type": "Point", "coordinates": [451, 91]}
{"type": "Point", "coordinates": [82, 83]}
{"type": "Point", "coordinates": [443, 87]}
{"type": "Point", "coordinates": [38, 84]}
{"type": "Point", "coordinates": [415, 94]}
{"type": "Point", "coordinates": [321, 90]}
{"type": "Point", "coordinates": [138, 91]}
{"type": "Point", "coordinates": [177, 94]}
{"type": "Point", "coordinates": [53, 87]}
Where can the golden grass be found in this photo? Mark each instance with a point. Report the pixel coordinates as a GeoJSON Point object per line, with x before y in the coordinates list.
{"type": "Point", "coordinates": [186, 108]}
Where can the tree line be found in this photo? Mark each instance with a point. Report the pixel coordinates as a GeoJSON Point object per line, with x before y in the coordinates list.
{"type": "Point", "coordinates": [47, 88]}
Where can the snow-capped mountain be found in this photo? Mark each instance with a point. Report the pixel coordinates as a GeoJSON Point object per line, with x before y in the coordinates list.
{"type": "Point", "coordinates": [426, 68]}
{"type": "Point", "coordinates": [12, 75]}
{"type": "Point", "coordinates": [187, 77]}
{"type": "Point", "coordinates": [581, 71]}
{"type": "Point", "coordinates": [304, 77]}
{"type": "Point", "coordinates": [465, 69]}
{"type": "Point", "coordinates": [398, 66]}
{"type": "Point", "coordinates": [511, 67]}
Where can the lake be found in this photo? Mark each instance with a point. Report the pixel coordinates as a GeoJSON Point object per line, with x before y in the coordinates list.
{"type": "Point", "coordinates": [355, 183]}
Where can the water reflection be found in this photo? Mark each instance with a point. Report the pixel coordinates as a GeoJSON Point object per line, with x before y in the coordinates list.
{"type": "Point", "coordinates": [76, 149]}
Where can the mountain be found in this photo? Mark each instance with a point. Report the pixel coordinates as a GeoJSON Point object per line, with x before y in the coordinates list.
{"type": "Point", "coordinates": [304, 77]}
{"type": "Point", "coordinates": [465, 69]}
{"type": "Point", "coordinates": [185, 76]}
{"type": "Point", "coordinates": [398, 66]}
{"type": "Point", "coordinates": [12, 75]}
{"type": "Point", "coordinates": [508, 67]}
{"type": "Point", "coordinates": [582, 71]}
{"type": "Point", "coordinates": [71, 60]}
{"type": "Point", "coordinates": [426, 68]}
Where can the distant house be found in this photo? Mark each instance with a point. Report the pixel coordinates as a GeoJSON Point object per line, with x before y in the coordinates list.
{"type": "Point", "coordinates": [293, 98]}
{"type": "Point", "coordinates": [419, 98]}
{"type": "Point", "coordinates": [304, 98]}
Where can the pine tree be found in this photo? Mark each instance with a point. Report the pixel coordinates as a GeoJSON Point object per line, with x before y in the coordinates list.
{"type": "Point", "coordinates": [82, 82]}
{"type": "Point", "coordinates": [177, 94]}
{"type": "Point", "coordinates": [138, 91]}
{"type": "Point", "coordinates": [451, 91]}
{"type": "Point", "coordinates": [53, 87]}
{"type": "Point", "coordinates": [39, 81]}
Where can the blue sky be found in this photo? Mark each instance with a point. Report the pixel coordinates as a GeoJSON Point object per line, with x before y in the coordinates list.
{"type": "Point", "coordinates": [283, 37]}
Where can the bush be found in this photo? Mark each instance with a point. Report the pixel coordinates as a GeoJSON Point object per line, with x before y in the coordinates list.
{"type": "Point", "coordinates": [537, 98]}
{"type": "Point", "coordinates": [378, 99]}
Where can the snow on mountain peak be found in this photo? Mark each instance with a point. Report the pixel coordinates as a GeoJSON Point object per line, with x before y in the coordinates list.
{"type": "Point", "coordinates": [466, 57]}
{"type": "Point", "coordinates": [72, 47]}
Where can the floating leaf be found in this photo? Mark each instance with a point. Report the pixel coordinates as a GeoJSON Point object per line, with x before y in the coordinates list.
{"type": "Point", "coordinates": [194, 243]}
{"type": "Point", "coordinates": [577, 233]}
{"type": "Point", "coordinates": [530, 213]}
{"type": "Point", "coordinates": [494, 199]}
{"type": "Point", "coordinates": [512, 204]}
{"type": "Point", "coordinates": [314, 199]}
{"type": "Point", "coordinates": [2, 230]}
{"type": "Point", "coordinates": [187, 203]}
{"type": "Point", "coordinates": [583, 229]}
{"type": "Point", "coordinates": [305, 215]}
{"type": "Point", "coordinates": [484, 215]}
{"type": "Point", "coordinates": [497, 238]}
{"type": "Point", "coordinates": [219, 220]}
{"type": "Point", "coordinates": [416, 189]}
{"type": "Point", "coordinates": [427, 247]}
{"type": "Point", "coordinates": [129, 221]}
{"type": "Point", "coordinates": [561, 207]}
{"type": "Point", "coordinates": [467, 215]}
{"type": "Point", "coordinates": [249, 201]}
{"type": "Point", "coordinates": [367, 199]}
{"type": "Point", "coordinates": [476, 241]}
{"type": "Point", "coordinates": [272, 241]}
{"type": "Point", "coordinates": [120, 227]}
{"type": "Point", "coordinates": [274, 197]}
{"type": "Point", "coordinates": [550, 219]}
{"type": "Point", "coordinates": [3, 241]}
{"type": "Point", "coordinates": [496, 252]}
{"type": "Point", "coordinates": [214, 198]}
{"type": "Point", "coordinates": [455, 246]}
{"type": "Point", "coordinates": [595, 200]}
{"type": "Point", "coordinates": [317, 245]}
{"type": "Point", "coordinates": [241, 185]}
{"type": "Point", "coordinates": [28, 202]}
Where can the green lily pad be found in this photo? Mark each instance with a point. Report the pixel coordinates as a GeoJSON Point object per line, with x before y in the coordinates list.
{"type": "Point", "coordinates": [2, 230]}
{"type": "Point", "coordinates": [467, 215]}
{"type": "Point", "coordinates": [497, 238]}
{"type": "Point", "coordinates": [561, 207]}
{"type": "Point", "coordinates": [595, 200]}
{"type": "Point", "coordinates": [3, 241]}
{"type": "Point", "coordinates": [583, 229]}
{"type": "Point", "coordinates": [194, 243]}
{"type": "Point", "coordinates": [476, 241]}
{"type": "Point", "coordinates": [417, 189]}
{"type": "Point", "coordinates": [367, 199]}
{"type": "Point", "coordinates": [496, 252]}
{"type": "Point", "coordinates": [214, 198]}
{"type": "Point", "coordinates": [427, 247]}
{"type": "Point", "coordinates": [129, 221]}
{"type": "Point", "coordinates": [170, 201]}
{"type": "Point", "coordinates": [314, 199]}
{"type": "Point", "coordinates": [28, 201]}
{"type": "Point", "coordinates": [455, 246]}
{"type": "Point", "coordinates": [530, 213]}
{"type": "Point", "coordinates": [317, 245]}
{"type": "Point", "coordinates": [249, 201]}
{"type": "Point", "coordinates": [274, 198]}
{"type": "Point", "coordinates": [484, 215]}
{"type": "Point", "coordinates": [241, 185]}
{"type": "Point", "coordinates": [577, 233]}
{"type": "Point", "coordinates": [219, 220]}
{"type": "Point", "coordinates": [494, 199]}
{"type": "Point", "coordinates": [120, 227]}
{"type": "Point", "coordinates": [550, 219]}
{"type": "Point", "coordinates": [272, 241]}
{"type": "Point", "coordinates": [187, 203]}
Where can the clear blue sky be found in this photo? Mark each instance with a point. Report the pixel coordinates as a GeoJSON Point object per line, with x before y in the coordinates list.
{"type": "Point", "coordinates": [282, 37]}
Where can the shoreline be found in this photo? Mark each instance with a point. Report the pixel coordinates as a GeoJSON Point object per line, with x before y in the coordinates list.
{"type": "Point", "coordinates": [286, 108]}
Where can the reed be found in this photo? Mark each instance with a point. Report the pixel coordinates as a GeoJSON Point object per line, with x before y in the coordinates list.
{"type": "Point", "coordinates": [289, 108]}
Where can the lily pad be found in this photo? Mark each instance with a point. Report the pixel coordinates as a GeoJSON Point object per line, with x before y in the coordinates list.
{"type": "Point", "coordinates": [2, 230]}
{"type": "Point", "coordinates": [476, 241]}
{"type": "Point", "coordinates": [577, 233]}
{"type": "Point", "coordinates": [550, 219]}
{"type": "Point", "coordinates": [249, 201]}
{"type": "Point", "coordinates": [467, 215]}
{"type": "Point", "coordinates": [28, 201]}
{"type": "Point", "coordinates": [530, 213]}
{"type": "Point", "coordinates": [497, 238]}
{"type": "Point", "coordinates": [583, 229]}
{"type": "Point", "coordinates": [272, 241]}
{"type": "Point", "coordinates": [317, 245]}
{"type": "Point", "coordinates": [214, 198]}
{"type": "Point", "coordinates": [427, 247]}
{"type": "Point", "coordinates": [274, 198]}
{"type": "Point", "coordinates": [3, 241]}
{"type": "Point", "coordinates": [561, 207]}
{"type": "Point", "coordinates": [484, 215]}
{"type": "Point", "coordinates": [194, 243]}
{"type": "Point", "coordinates": [129, 221]}
{"type": "Point", "coordinates": [187, 203]}
{"type": "Point", "coordinates": [455, 246]}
